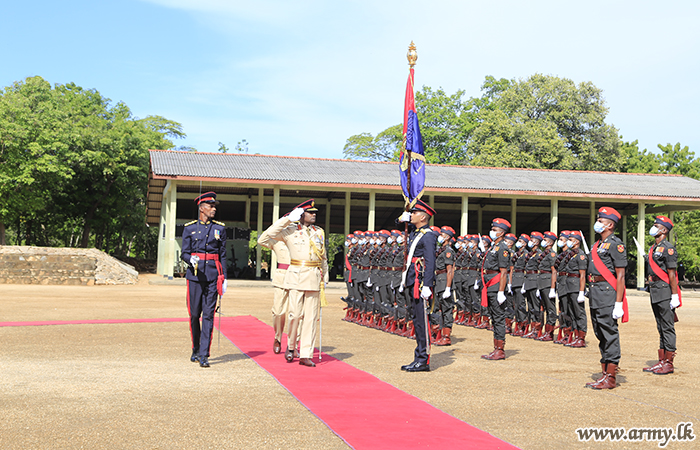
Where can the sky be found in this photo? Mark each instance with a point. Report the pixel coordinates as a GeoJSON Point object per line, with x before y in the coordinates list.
{"type": "Point", "coordinates": [299, 77]}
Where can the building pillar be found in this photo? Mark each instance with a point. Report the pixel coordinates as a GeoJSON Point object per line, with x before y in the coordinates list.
{"type": "Point", "coordinates": [431, 202]}
{"type": "Point", "coordinates": [464, 225]}
{"type": "Point", "coordinates": [275, 216]}
{"type": "Point", "coordinates": [641, 234]}
{"type": "Point", "coordinates": [554, 217]}
{"type": "Point", "coordinates": [171, 258]}
{"type": "Point", "coordinates": [592, 219]}
{"type": "Point", "coordinates": [371, 212]}
{"type": "Point", "coordinates": [624, 230]}
{"type": "Point", "coordinates": [346, 221]}
{"type": "Point", "coordinates": [672, 234]}
{"type": "Point", "coordinates": [258, 249]}
{"type": "Point", "coordinates": [327, 223]}
{"type": "Point", "coordinates": [247, 212]}
{"type": "Point", "coordinates": [480, 218]}
{"type": "Point", "coordinates": [164, 205]}
{"type": "Point", "coordinates": [514, 216]}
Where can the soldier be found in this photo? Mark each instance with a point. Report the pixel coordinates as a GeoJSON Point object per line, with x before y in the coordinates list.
{"type": "Point", "coordinates": [547, 284]}
{"type": "Point", "coordinates": [347, 276]}
{"type": "Point", "coordinates": [400, 296]}
{"type": "Point", "coordinates": [280, 302]}
{"type": "Point", "coordinates": [472, 288]}
{"type": "Point", "coordinates": [363, 266]}
{"type": "Point", "coordinates": [383, 283]}
{"type": "Point", "coordinates": [443, 303]}
{"type": "Point", "coordinates": [495, 278]}
{"type": "Point", "coordinates": [204, 249]}
{"type": "Point", "coordinates": [419, 278]}
{"type": "Point", "coordinates": [518, 279]}
{"type": "Point", "coordinates": [305, 277]}
{"type": "Point", "coordinates": [606, 275]}
{"type": "Point", "coordinates": [576, 286]}
{"type": "Point", "coordinates": [458, 280]}
{"type": "Point", "coordinates": [664, 293]}
{"type": "Point", "coordinates": [562, 289]}
{"type": "Point", "coordinates": [530, 285]}
{"type": "Point", "coordinates": [510, 240]}
{"type": "Point", "coordinates": [479, 287]}
{"type": "Point", "coordinates": [355, 293]}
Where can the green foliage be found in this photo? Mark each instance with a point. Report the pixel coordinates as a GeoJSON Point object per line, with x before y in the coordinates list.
{"type": "Point", "coordinates": [74, 169]}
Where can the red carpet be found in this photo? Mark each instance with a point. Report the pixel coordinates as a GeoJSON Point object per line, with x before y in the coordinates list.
{"type": "Point", "coordinates": [364, 411]}
{"type": "Point", "coordinates": [81, 322]}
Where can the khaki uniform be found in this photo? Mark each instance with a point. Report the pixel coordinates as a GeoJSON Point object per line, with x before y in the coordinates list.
{"type": "Point", "coordinates": [280, 303]}
{"type": "Point", "coordinates": [307, 272]}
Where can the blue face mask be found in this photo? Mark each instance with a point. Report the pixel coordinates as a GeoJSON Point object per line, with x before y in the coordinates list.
{"type": "Point", "coordinates": [543, 244]}
{"type": "Point", "coordinates": [654, 231]}
{"type": "Point", "coordinates": [560, 244]}
{"type": "Point", "coordinates": [531, 244]}
{"type": "Point", "coordinates": [518, 244]}
{"type": "Point", "coordinates": [598, 227]}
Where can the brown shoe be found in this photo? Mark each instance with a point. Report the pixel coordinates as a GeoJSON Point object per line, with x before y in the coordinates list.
{"type": "Point", "coordinates": [580, 340]}
{"type": "Point", "coordinates": [608, 381]}
{"type": "Point", "coordinates": [667, 364]}
{"type": "Point", "coordinates": [603, 367]}
{"type": "Point", "coordinates": [276, 347]}
{"type": "Point", "coordinates": [497, 353]}
{"type": "Point", "coordinates": [306, 362]}
{"type": "Point", "coordinates": [289, 355]}
{"type": "Point", "coordinates": [658, 364]}
{"type": "Point", "coordinates": [445, 340]}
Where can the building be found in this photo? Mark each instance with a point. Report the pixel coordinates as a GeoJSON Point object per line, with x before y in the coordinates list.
{"type": "Point", "coordinates": [255, 190]}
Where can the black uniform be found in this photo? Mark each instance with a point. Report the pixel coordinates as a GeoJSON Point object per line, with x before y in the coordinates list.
{"type": "Point", "coordinates": [665, 256]}
{"type": "Point", "coordinates": [578, 262]}
{"type": "Point", "coordinates": [421, 272]}
{"type": "Point", "coordinates": [613, 254]}
{"type": "Point", "coordinates": [531, 270]}
{"type": "Point", "coordinates": [496, 258]}
{"type": "Point", "coordinates": [544, 284]}
{"type": "Point", "coordinates": [519, 303]}
{"type": "Point", "coordinates": [207, 240]}
{"type": "Point", "coordinates": [442, 307]}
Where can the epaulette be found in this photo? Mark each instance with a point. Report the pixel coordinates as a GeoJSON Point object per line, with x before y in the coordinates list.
{"type": "Point", "coordinates": [219, 223]}
{"type": "Point", "coordinates": [424, 230]}
{"type": "Point", "coordinates": [190, 223]}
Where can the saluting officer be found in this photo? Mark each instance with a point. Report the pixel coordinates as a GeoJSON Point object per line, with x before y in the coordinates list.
{"type": "Point", "coordinates": [665, 294]}
{"type": "Point", "coordinates": [606, 275]}
{"type": "Point", "coordinates": [495, 278]}
{"type": "Point", "coordinates": [419, 278]}
{"type": "Point", "coordinates": [305, 277]}
{"type": "Point", "coordinates": [204, 249]}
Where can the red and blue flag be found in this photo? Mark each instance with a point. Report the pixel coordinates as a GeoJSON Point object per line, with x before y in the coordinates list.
{"type": "Point", "coordinates": [413, 177]}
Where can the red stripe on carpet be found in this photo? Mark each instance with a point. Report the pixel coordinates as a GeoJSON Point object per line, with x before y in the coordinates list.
{"type": "Point", "coordinates": [82, 322]}
{"type": "Point", "coordinates": [365, 412]}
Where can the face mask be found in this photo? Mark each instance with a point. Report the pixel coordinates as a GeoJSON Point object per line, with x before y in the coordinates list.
{"type": "Point", "coordinates": [561, 244]}
{"type": "Point", "coordinates": [441, 239]}
{"type": "Point", "coordinates": [493, 235]}
{"type": "Point", "coordinates": [654, 231]}
{"type": "Point", "coordinates": [519, 244]}
{"type": "Point", "coordinates": [598, 227]}
{"type": "Point", "coordinates": [570, 243]}
{"type": "Point", "coordinates": [347, 244]}
{"type": "Point", "coordinates": [399, 239]}
{"type": "Point", "coordinates": [471, 245]}
{"type": "Point", "coordinates": [530, 244]}
{"type": "Point", "coordinates": [371, 242]}
{"type": "Point", "coordinates": [354, 241]}
{"type": "Point", "coordinates": [390, 241]}
{"type": "Point", "coordinates": [543, 244]}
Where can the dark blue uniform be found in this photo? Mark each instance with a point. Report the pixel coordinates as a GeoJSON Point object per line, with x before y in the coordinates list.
{"type": "Point", "coordinates": [421, 272]}
{"type": "Point", "coordinates": [207, 240]}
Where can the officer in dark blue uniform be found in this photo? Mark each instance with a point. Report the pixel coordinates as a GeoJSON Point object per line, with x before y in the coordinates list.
{"type": "Point", "coordinates": [204, 249]}
{"type": "Point", "coordinates": [418, 278]}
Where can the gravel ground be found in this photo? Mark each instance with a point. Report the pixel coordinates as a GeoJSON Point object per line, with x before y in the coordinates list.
{"type": "Point", "coordinates": [132, 386]}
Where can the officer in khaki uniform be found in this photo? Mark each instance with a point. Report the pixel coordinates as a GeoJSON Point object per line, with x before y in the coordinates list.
{"type": "Point", "coordinates": [280, 302]}
{"type": "Point", "coordinates": [305, 277]}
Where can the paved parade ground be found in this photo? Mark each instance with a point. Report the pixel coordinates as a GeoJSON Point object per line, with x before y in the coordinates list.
{"type": "Point", "coordinates": [131, 384]}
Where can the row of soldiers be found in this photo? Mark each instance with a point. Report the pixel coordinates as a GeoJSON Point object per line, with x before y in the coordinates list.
{"type": "Point", "coordinates": [375, 260]}
{"type": "Point", "coordinates": [528, 273]}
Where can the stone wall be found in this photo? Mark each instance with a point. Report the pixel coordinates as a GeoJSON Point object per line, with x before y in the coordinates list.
{"type": "Point", "coordinates": [73, 266]}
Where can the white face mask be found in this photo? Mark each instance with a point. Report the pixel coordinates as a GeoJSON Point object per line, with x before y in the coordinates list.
{"type": "Point", "coordinates": [654, 231]}
{"type": "Point", "coordinates": [347, 243]}
{"type": "Point", "coordinates": [354, 241]}
{"type": "Point", "coordinates": [493, 235]}
{"type": "Point", "coordinates": [570, 243]}
{"type": "Point", "coordinates": [441, 239]}
{"type": "Point", "coordinates": [372, 241]}
{"type": "Point", "coordinates": [598, 227]}
{"type": "Point", "coordinates": [399, 239]}
{"type": "Point", "coordinates": [531, 244]}
{"type": "Point", "coordinates": [519, 244]}
{"type": "Point", "coordinates": [471, 245]}
{"type": "Point", "coordinates": [561, 244]}
{"type": "Point", "coordinates": [390, 241]}
{"type": "Point", "coordinates": [543, 244]}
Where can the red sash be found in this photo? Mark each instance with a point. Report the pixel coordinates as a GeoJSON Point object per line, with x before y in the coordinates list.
{"type": "Point", "coordinates": [659, 272]}
{"type": "Point", "coordinates": [349, 267]}
{"type": "Point", "coordinates": [220, 278]}
{"type": "Point", "coordinates": [492, 281]}
{"type": "Point", "coordinates": [610, 279]}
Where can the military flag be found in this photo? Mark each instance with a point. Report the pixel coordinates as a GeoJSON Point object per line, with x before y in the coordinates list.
{"type": "Point", "coordinates": [412, 158]}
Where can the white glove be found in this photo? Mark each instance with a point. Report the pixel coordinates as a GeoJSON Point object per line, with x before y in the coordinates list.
{"type": "Point", "coordinates": [194, 260]}
{"type": "Point", "coordinates": [447, 293]}
{"type": "Point", "coordinates": [522, 290]}
{"type": "Point", "coordinates": [369, 283]}
{"type": "Point", "coordinates": [581, 297]}
{"type": "Point", "coordinates": [675, 302]}
{"type": "Point", "coordinates": [538, 294]}
{"type": "Point", "coordinates": [401, 288]}
{"type": "Point", "coordinates": [552, 293]}
{"type": "Point", "coordinates": [501, 297]}
{"type": "Point", "coordinates": [405, 217]}
{"type": "Point", "coordinates": [295, 215]}
{"type": "Point", "coordinates": [617, 311]}
{"type": "Point", "coordinates": [482, 247]}
{"type": "Point", "coordinates": [223, 287]}
{"type": "Point", "coordinates": [425, 292]}
{"type": "Point", "coordinates": [376, 288]}
{"type": "Point", "coordinates": [510, 289]}
{"type": "Point", "coordinates": [476, 285]}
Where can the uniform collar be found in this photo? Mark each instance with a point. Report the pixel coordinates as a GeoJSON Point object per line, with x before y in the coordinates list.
{"type": "Point", "coordinates": [204, 223]}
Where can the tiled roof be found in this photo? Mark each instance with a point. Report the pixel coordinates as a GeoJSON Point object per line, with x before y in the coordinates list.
{"type": "Point", "coordinates": [327, 172]}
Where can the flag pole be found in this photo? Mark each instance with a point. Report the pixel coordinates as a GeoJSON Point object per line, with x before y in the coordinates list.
{"type": "Point", "coordinates": [412, 57]}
